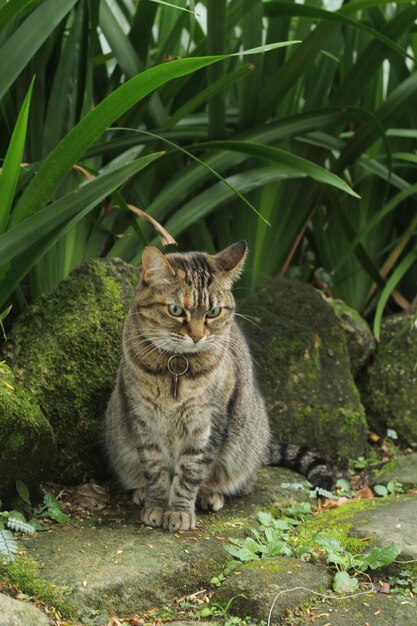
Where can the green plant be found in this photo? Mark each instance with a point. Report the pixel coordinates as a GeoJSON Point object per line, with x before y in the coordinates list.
{"type": "Point", "coordinates": [344, 561]}
{"type": "Point", "coordinates": [344, 488]}
{"type": "Point", "coordinates": [392, 487]}
{"type": "Point", "coordinates": [104, 76]}
{"type": "Point", "coordinates": [403, 584]}
{"type": "Point", "coordinates": [275, 537]}
{"type": "Point", "coordinates": [16, 521]}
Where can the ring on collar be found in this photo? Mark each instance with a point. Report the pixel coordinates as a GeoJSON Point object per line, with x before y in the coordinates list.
{"type": "Point", "coordinates": [186, 364]}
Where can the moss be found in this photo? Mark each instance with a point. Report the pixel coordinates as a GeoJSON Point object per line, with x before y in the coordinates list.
{"type": "Point", "coordinates": [23, 573]}
{"type": "Point", "coordinates": [338, 523]}
{"type": "Point", "coordinates": [389, 385]}
{"type": "Point", "coordinates": [27, 440]}
{"type": "Point", "coordinates": [304, 370]}
{"type": "Point", "coordinates": [65, 348]}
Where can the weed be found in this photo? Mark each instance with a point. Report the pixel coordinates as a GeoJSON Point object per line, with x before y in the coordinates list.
{"type": "Point", "coordinates": [15, 520]}
{"type": "Point", "coordinates": [275, 538]}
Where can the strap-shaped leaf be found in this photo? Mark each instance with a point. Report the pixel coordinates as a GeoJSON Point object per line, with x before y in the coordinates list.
{"type": "Point", "coordinates": [58, 163]}
{"type": "Point", "coordinates": [282, 157]}
{"type": "Point", "coordinates": [22, 246]}
{"type": "Point", "coordinates": [10, 171]}
{"type": "Point", "coordinates": [13, 9]}
{"type": "Point", "coordinates": [19, 49]}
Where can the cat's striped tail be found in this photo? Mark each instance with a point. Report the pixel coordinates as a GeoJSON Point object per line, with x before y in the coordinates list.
{"type": "Point", "coordinates": [303, 460]}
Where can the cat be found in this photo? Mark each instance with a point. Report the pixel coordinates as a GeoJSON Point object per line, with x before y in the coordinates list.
{"type": "Point", "coordinates": [186, 424]}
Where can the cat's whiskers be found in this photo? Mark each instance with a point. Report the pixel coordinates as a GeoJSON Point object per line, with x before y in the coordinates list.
{"type": "Point", "coordinates": [248, 319]}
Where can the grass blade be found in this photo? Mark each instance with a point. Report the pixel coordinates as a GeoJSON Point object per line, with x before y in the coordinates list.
{"type": "Point", "coordinates": [281, 157]}
{"type": "Point", "coordinates": [23, 246]}
{"type": "Point", "coordinates": [393, 281]}
{"type": "Point", "coordinates": [58, 163]}
{"type": "Point", "coordinates": [21, 46]}
{"type": "Point", "coordinates": [14, 9]}
{"type": "Point", "coordinates": [11, 167]}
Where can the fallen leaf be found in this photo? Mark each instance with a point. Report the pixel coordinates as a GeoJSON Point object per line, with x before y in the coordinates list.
{"type": "Point", "coordinates": [385, 588]}
{"type": "Point", "coordinates": [164, 235]}
{"type": "Point", "coordinates": [364, 494]}
{"type": "Point", "coordinates": [92, 496]}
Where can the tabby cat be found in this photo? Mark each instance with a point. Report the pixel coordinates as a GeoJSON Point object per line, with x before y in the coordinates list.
{"type": "Point", "coordinates": [186, 423]}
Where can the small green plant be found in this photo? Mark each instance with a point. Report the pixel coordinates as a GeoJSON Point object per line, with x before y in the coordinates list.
{"type": "Point", "coordinates": [344, 488]}
{"type": "Point", "coordinates": [404, 584]}
{"type": "Point", "coordinates": [270, 541]}
{"type": "Point", "coordinates": [363, 462]}
{"type": "Point", "coordinates": [393, 487]}
{"type": "Point", "coordinates": [346, 562]}
{"type": "Point", "coordinates": [275, 538]}
{"type": "Point", "coordinates": [16, 521]}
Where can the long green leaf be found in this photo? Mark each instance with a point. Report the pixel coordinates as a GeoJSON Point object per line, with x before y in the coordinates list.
{"type": "Point", "coordinates": [77, 203]}
{"type": "Point", "coordinates": [276, 155]}
{"type": "Point", "coordinates": [393, 281]}
{"type": "Point", "coordinates": [374, 221]}
{"type": "Point", "coordinates": [14, 9]}
{"type": "Point", "coordinates": [70, 149]}
{"type": "Point", "coordinates": [120, 45]}
{"type": "Point", "coordinates": [59, 162]}
{"type": "Point", "coordinates": [204, 95]}
{"type": "Point", "coordinates": [19, 49]}
{"type": "Point", "coordinates": [277, 8]}
{"type": "Point", "coordinates": [44, 229]}
{"type": "Point", "coordinates": [394, 107]}
{"type": "Point", "coordinates": [11, 167]}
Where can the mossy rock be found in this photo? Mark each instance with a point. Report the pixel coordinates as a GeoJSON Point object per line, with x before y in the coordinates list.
{"type": "Point", "coordinates": [389, 385]}
{"type": "Point", "coordinates": [271, 586]}
{"type": "Point", "coordinates": [110, 562]}
{"type": "Point", "coordinates": [372, 609]}
{"type": "Point", "coordinates": [360, 341]}
{"type": "Point", "coordinates": [27, 441]}
{"type": "Point", "coordinates": [303, 369]}
{"type": "Point", "coordinates": [65, 348]}
{"type": "Point", "coordinates": [15, 613]}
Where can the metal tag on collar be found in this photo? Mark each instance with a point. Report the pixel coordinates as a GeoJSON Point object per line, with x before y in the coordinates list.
{"type": "Point", "coordinates": [182, 363]}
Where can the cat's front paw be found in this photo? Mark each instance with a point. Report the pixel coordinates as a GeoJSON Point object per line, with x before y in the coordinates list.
{"type": "Point", "coordinates": [210, 501]}
{"type": "Point", "coordinates": [139, 495]}
{"type": "Point", "coordinates": [152, 516]}
{"type": "Point", "coordinates": [179, 520]}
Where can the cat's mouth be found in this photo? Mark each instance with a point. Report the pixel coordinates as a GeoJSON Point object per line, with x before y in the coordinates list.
{"type": "Point", "coordinates": [182, 347]}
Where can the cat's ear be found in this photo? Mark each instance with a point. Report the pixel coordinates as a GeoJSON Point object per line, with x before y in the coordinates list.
{"type": "Point", "coordinates": [155, 266]}
{"type": "Point", "coordinates": [230, 260]}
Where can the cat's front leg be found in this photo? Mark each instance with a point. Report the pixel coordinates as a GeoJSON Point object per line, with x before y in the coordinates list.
{"type": "Point", "coordinates": [190, 473]}
{"type": "Point", "coordinates": [158, 481]}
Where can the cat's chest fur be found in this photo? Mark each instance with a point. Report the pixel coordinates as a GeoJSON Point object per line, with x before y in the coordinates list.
{"type": "Point", "coordinates": [177, 423]}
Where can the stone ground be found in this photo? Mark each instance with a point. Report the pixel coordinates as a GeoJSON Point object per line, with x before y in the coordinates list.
{"type": "Point", "coordinates": [108, 563]}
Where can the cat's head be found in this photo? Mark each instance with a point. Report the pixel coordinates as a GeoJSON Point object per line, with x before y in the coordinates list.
{"type": "Point", "coordinates": [185, 303]}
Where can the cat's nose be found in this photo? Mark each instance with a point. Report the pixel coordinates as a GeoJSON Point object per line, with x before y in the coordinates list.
{"type": "Point", "coordinates": [196, 338]}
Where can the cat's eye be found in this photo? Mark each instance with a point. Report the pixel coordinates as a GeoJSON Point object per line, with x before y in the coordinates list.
{"type": "Point", "coordinates": [214, 312]}
{"type": "Point", "coordinates": [175, 310]}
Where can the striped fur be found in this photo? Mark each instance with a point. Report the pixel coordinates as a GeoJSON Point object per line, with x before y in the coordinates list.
{"type": "Point", "coordinates": [206, 443]}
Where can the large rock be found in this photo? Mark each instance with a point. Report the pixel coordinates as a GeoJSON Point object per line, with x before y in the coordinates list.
{"type": "Point", "coordinates": [269, 586]}
{"type": "Point", "coordinates": [15, 613]}
{"type": "Point", "coordinates": [366, 608]}
{"type": "Point", "coordinates": [360, 341]}
{"type": "Point", "coordinates": [403, 469]}
{"type": "Point", "coordinates": [110, 562]}
{"type": "Point", "coordinates": [27, 442]}
{"type": "Point", "coordinates": [303, 368]}
{"type": "Point", "coordinates": [65, 349]}
{"type": "Point", "coordinates": [389, 386]}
